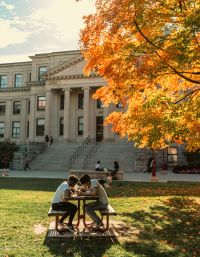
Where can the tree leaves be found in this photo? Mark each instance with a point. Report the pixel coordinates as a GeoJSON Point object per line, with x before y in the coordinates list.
{"type": "Point", "coordinates": [148, 52]}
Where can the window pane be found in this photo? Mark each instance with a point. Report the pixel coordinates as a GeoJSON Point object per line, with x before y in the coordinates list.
{"type": "Point", "coordinates": [3, 81]}
{"type": "Point", "coordinates": [2, 129]}
{"type": "Point", "coordinates": [40, 127]}
{"type": "Point", "coordinates": [119, 106]}
{"type": "Point", "coordinates": [16, 129]}
{"type": "Point", "coordinates": [2, 108]}
{"type": "Point", "coordinates": [62, 98]}
{"type": "Point", "coordinates": [61, 126]}
{"type": "Point", "coordinates": [99, 104]}
{"type": "Point", "coordinates": [80, 125]}
{"type": "Point", "coordinates": [172, 150]}
{"type": "Point", "coordinates": [18, 80]}
{"type": "Point", "coordinates": [16, 107]}
{"type": "Point", "coordinates": [41, 71]}
{"type": "Point", "coordinates": [41, 103]}
{"type": "Point", "coordinates": [80, 101]}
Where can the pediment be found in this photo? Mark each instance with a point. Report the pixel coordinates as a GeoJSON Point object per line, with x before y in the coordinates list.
{"type": "Point", "coordinates": [72, 68]}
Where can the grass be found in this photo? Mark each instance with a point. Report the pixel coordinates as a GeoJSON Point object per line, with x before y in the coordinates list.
{"type": "Point", "coordinates": [164, 218]}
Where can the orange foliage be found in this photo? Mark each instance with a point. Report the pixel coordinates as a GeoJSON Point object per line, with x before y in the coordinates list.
{"type": "Point", "coordinates": [148, 52]}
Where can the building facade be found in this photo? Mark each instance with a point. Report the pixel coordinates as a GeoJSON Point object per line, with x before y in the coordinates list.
{"type": "Point", "coordinates": [51, 96]}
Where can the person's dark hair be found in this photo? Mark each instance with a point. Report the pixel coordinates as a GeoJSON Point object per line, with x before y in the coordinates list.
{"type": "Point", "coordinates": [85, 178]}
{"type": "Point", "coordinates": [98, 162]}
{"type": "Point", "coordinates": [73, 179]}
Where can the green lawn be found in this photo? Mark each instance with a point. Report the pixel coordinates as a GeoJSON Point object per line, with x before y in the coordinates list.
{"type": "Point", "coordinates": [164, 217]}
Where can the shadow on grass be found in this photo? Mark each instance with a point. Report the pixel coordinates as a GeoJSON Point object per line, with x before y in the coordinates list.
{"type": "Point", "coordinates": [119, 188]}
{"type": "Point", "coordinates": [84, 248]}
{"type": "Point", "coordinates": [32, 184]}
{"type": "Point", "coordinates": [171, 229]}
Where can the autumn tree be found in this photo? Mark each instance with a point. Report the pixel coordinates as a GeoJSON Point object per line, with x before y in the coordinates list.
{"type": "Point", "coordinates": [148, 52]}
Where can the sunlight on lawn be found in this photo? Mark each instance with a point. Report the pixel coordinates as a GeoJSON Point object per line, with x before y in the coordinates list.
{"type": "Point", "coordinates": [153, 220]}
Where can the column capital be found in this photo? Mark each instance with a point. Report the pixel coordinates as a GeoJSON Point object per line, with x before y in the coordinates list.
{"type": "Point", "coordinates": [66, 89]}
{"type": "Point", "coordinates": [86, 88]}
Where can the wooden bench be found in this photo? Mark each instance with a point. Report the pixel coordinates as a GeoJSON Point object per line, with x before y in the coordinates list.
{"type": "Point", "coordinates": [107, 213]}
{"type": "Point", "coordinates": [56, 214]}
{"type": "Point", "coordinates": [104, 213]}
{"type": "Point", "coordinates": [96, 174]}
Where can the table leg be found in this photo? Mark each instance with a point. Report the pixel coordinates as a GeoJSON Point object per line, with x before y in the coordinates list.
{"type": "Point", "coordinates": [84, 217]}
{"type": "Point", "coordinates": [78, 214]}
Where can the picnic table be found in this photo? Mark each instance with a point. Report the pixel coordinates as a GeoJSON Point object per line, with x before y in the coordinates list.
{"type": "Point", "coordinates": [104, 213]}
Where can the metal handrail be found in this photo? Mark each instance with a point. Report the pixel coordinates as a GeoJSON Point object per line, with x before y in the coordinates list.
{"type": "Point", "coordinates": [78, 152]}
{"type": "Point", "coordinates": [92, 151]}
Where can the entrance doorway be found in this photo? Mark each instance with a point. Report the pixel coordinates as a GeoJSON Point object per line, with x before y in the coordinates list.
{"type": "Point", "coordinates": [99, 128]}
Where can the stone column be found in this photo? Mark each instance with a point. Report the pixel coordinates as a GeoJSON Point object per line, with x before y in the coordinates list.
{"type": "Point", "coordinates": [86, 112]}
{"type": "Point", "coordinates": [48, 113]}
{"type": "Point", "coordinates": [23, 122]}
{"type": "Point", "coordinates": [8, 124]}
{"type": "Point", "coordinates": [107, 128]}
{"type": "Point", "coordinates": [67, 115]}
{"type": "Point", "coordinates": [32, 118]}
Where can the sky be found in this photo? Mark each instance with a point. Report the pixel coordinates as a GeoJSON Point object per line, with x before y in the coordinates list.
{"type": "Point", "coordinates": [29, 27]}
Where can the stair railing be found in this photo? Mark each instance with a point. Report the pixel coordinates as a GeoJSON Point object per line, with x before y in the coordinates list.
{"type": "Point", "coordinates": [78, 152]}
{"type": "Point", "coordinates": [92, 151]}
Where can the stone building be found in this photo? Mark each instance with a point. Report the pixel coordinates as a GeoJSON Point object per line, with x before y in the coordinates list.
{"type": "Point", "coordinates": [50, 95]}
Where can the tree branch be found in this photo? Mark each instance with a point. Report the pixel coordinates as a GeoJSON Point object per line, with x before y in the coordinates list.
{"type": "Point", "coordinates": [189, 94]}
{"type": "Point", "coordinates": [172, 68]}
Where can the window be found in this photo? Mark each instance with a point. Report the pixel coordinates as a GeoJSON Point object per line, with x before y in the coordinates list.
{"type": "Point", "coordinates": [3, 81]}
{"type": "Point", "coordinates": [80, 126]}
{"type": "Point", "coordinates": [29, 77]}
{"type": "Point", "coordinates": [2, 108]}
{"type": "Point", "coordinates": [16, 107]}
{"type": "Point", "coordinates": [16, 129]}
{"type": "Point", "coordinates": [99, 104]}
{"type": "Point", "coordinates": [41, 103]}
{"type": "Point", "coordinates": [62, 99]}
{"type": "Point", "coordinates": [80, 101]}
{"type": "Point", "coordinates": [27, 132]}
{"type": "Point", "coordinates": [172, 156]}
{"type": "Point", "coordinates": [119, 106]}
{"type": "Point", "coordinates": [18, 80]}
{"type": "Point", "coordinates": [41, 71]}
{"type": "Point", "coordinates": [61, 126]}
{"type": "Point", "coordinates": [2, 129]}
{"type": "Point", "coordinates": [29, 104]}
{"type": "Point", "coordinates": [40, 127]}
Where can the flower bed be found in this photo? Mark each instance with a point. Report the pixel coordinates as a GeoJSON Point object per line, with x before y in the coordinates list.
{"type": "Point", "coordinates": [186, 170]}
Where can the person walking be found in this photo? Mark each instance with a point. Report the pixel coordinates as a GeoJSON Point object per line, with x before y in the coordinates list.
{"type": "Point", "coordinates": [27, 163]}
{"type": "Point", "coordinates": [51, 140]}
{"type": "Point", "coordinates": [47, 140]}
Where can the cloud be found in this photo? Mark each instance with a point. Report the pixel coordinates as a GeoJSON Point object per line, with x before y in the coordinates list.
{"type": "Point", "coordinates": [7, 6]}
{"type": "Point", "coordinates": [10, 34]}
{"type": "Point", "coordinates": [54, 26]}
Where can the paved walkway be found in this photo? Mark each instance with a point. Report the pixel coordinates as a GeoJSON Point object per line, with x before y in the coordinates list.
{"type": "Point", "coordinates": [128, 176]}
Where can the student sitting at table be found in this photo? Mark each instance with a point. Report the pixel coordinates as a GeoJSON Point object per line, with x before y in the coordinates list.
{"type": "Point", "coordinates": [60, 203]}
{"type": "Point", "coordinates": [93, 187]}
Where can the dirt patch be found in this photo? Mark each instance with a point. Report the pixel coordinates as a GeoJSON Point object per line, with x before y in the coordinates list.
{"type": "Point", "coordinates": [125, 230]}
{"type": "Point", "coordinates": [39, 229]}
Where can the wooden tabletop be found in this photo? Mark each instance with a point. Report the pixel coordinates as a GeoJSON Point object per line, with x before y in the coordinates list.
{"type": "Point", "coordinates": [83, 197]}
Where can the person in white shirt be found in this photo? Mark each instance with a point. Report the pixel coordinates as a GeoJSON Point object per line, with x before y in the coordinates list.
{"type": "Point", "coordinates": [98, 166]}
{"type": "Point", "coordinates": [60, 203]}
{"type": "Point", "coordinates": [93, 187]}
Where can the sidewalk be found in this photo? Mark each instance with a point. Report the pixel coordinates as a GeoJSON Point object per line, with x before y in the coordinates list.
{"type": "Point", "coordinates": [128, 176]}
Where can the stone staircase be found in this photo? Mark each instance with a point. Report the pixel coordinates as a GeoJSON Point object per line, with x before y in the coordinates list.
{"type": "Point", "coordinates": [108, 152]}
{"type": "Point", "coordinates": [55, 157]}
{"type": "Point", "coordinates": [58, 156]}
